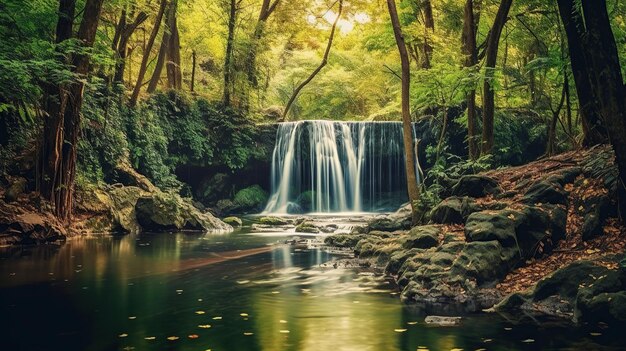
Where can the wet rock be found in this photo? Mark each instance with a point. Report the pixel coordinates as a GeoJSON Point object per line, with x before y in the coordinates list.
{"type": "Point", "coordinates": [476, 186]}
{"type": "Point", "coordinates": [270, 220]}
{"type": "Point", "coordinates": [454, 210]}
{"type": "Point", "coordinates": [307, 227]}
{"type": "Point", "coordinates": [443, 321]}
{"type": "Point", "coordinates": [422, 237]}
{"type": "Point", "coordinates": [344, 240]}
{"type": "Point", "coordinates": [249, 200]}
{"type": "Point", "coordinates": [164, 211]}
{"type": "Point", "coordinates": [233, 221]}
{"type": "Point", "coordinates": [330, 228]}
{"type": "Point", "coordinates": [546, 192]}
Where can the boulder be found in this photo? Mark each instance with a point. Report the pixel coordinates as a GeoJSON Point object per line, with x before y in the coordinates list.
{"type": "Point", "coordinates": [476, 186]}
{"type": "Point", "coordinates": [546, 192]}
{"type": "Point", "coordinates": [233, 221]}
{"type": "Point", "coordinates": [344, 240]}
{"type": "Point", "coordinates": [249, 200]}
{"type": "Point", "coordinates": [454, 210]}
{"type": "Point", "coordinates": [597, 210]}
{"type": "Point", "coordinates": [422, 237]}
{"type": "Point", "coordinates": [307, 227]}
{"type": "Point", "coordinates": [168, 211]}
{"type": "Point", "coordinates": [274, 221]}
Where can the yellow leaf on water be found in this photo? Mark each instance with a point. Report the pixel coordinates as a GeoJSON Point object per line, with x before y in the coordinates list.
{"type": "Point", "coordinates": [193, 336]}
{"type": "Point", "coordinates": [243, 314]}
{"type": "Point", "coordinates": [123, 335]}
{"type": "Point", "coordinates": [399, 330]}
{"type": "Point", "coordinates": [200, 312]}
{"type": "Point", "coordinates": [217, 318]}
{"type": "Point", "coordinates": [204, 326]}
{"type": "Point", "coordinates": [150, 337]}
{"type": "Point", "coordinates": [284, 331]}
{"type": "Point", "coordinates": [172, 338]}
{"type": "Point", "coordinates": [411, 323]}
{"type": "Point", "coordinates": [247, 333]}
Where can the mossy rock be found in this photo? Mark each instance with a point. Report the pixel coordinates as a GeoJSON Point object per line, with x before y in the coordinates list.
{"type": "Point", "coordinates": [476, 186]}
{"type": "Point", "coordinates": [252, 198]}
{"type": "Point", "coordinates": [454, 210]}
{"type": "Point", "coordinates": [344, 240]}
{"type": "Point", "coordinates": [307, 227]}
{"type": "Point", "coordinates": [423, 237]}
{"type": "Point", "coordinates": [270, 220]}
{"type": "Point", "coordinates": [233, 221]}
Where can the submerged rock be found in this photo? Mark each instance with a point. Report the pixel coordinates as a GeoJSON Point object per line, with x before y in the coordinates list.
{"type": "Point", "coordinates": [307, 227]}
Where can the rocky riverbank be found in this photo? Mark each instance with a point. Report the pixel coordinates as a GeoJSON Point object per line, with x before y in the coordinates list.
{"type": "Point", "coordinates": [542, 238]}
{"type": "Point", "coordinates": [137, 205]}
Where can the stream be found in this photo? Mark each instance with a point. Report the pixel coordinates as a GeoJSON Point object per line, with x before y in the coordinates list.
{"type": "Point", "coordinates": [236, 291]}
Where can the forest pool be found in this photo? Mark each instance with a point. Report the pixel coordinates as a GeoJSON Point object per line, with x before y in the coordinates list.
{"type": "Point", "coordinates": [182, 291]}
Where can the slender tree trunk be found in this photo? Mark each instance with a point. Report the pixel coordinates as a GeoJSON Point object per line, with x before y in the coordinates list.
{"type": "Point", "coordinates": [121, 44]}
{"type": "Point", "coordinates": [59, 170]}
{"type": "Point", "coordinates": [429, 29]}
{"type": "Point", "coordinates": [193, 71]}
{"type": "Point", "coordinates": [228, 57]}
{"type": "Point", "coordinates": [146, 53]}
{"type": "Point", "coordinates": [491, 53]}
{"type": "Point", "coordinates": [593, 130]}
{"type": "Point", "coordinates": [267, 8]}
{"type": "Point", "coordinates": [163, 50]}
{"type": "Point", "coordinates": [174, 74]}
{"type": "Point", "coordinates": [295, 93]}
{"type": "Point", "coordinates": [407, 126]}
{"type": "Point", "coordinates": [471, 60]}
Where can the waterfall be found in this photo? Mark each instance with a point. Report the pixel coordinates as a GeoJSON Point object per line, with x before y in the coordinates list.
{"type": "Point", "coordinates": [327, 166]}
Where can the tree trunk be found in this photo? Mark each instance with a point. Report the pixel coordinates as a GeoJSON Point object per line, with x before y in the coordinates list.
{"type": "Point", "coordinates": [607, 83]}
{"type": "Point", "coordinates": [146, 53]}
{"type": "Point", "coordinates": [267, 8]}
{"type": "Point", "coordinates": [62, 127]}
{"type": "Point", "coordinates": [429, 29]}
{"type": "Point", "coordinates": [471, 60]}
{"type": "Point", "coordinates": [491, 58]}
{"type": "Point", "coordinates": [407, 126]}
{"type": "Point", "coordinates": [174, 74]}
{"type": "Point", "coordinates": [163, 50]}
{"type": "Point", "coordinates": [593, 130]}
{"type": "Point", "coordinates": [228, 57]}
{"type": "Point", "coordinates": [295, 93]}
{"type": "Point", "coordinates": [121, 44]}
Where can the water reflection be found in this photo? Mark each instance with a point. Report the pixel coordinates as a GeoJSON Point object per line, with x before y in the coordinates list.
{"type": "Point", "coordinates": [102, 293]}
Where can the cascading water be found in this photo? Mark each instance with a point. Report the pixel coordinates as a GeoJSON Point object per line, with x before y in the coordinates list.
{"type": "Point", "coordinates": [326, 166]}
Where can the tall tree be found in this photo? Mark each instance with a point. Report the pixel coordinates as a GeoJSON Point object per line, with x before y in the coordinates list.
{"type": "Point", "coordinates": [267, 8]}
{"type": "Point", "coordinates": [429, 29]}
{"type": "Point", "coordinates": [62, 126]}
{"type": "Point", "coordinates": [228, 56]}
{"type": "Point", "coordinates": [174, 73]}
{"type": "Point", "coordinates": [407, 127]}
{"type": "Point", "coordinates": [165, 50]}
{"type": "Point", "coordinates": [123, 33]}
{"type": "Point", "coordinates": [471, 60]}
{"type": "Point", "coordinates": [146, 54]}
{"type": "Point", "coordinates": [593, 130]}
{"type": "Point", "coordinates": [592, 30]}
{"type": "Point", "coordinates": [317, 70]}
{"type": "Point", "coordinates": [491, 57]}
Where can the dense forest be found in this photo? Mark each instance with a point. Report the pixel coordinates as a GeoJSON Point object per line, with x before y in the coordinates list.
{"type": "Point", "coordinates": [480, 143]}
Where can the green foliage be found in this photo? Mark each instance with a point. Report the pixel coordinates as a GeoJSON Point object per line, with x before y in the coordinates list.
{"type": "Point", "coordinates": [250, 197]}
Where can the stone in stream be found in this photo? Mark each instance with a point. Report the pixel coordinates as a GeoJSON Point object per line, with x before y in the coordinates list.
{"type": "Point", "coordinates": [270, 220]}
{"type": "Point", "coordinates": [307, 227]}
{"type": "Point", "coordinates": [443, 321]}
{"type": "Point", "coordinates": [233, 221]}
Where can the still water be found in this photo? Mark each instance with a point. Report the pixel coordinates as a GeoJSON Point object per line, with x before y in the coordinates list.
{"type": "Point", "coordinates": [181, 291]}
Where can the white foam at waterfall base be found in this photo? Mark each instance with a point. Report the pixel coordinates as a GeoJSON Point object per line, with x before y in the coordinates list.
{"type": "Point", "coordinates": [337, 167]}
